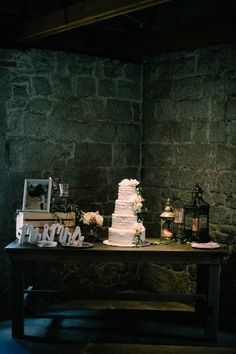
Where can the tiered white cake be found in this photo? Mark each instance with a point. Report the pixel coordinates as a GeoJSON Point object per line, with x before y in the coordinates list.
{"type": "Point", "coordinates": [125, 229]}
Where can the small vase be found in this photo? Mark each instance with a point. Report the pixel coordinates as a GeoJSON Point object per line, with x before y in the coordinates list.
{"type": "Point", "coordinates": [92, 236]}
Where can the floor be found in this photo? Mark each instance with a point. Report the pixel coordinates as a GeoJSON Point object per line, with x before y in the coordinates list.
{"type": "Point", "coordinates": [114, 332]}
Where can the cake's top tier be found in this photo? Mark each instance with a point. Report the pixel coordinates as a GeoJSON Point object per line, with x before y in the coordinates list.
{"type": "Point", "coordinates": [127, 189]}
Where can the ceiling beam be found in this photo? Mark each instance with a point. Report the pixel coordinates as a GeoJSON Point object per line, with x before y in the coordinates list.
{"type": "Point", "coordinates": [183, 40]}
{"type": "Point", "coordinates": [77, 15]}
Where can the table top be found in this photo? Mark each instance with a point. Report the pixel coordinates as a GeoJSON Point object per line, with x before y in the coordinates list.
{"type": "Point", "coordinates": [158, 253]}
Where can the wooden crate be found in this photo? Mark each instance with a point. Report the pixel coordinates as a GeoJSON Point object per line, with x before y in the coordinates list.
{"type": "Point", "coordinates": [39, 219]}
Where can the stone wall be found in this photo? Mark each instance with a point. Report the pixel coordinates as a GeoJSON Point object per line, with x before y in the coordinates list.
{"type": "Point", "coordinates": [73, 117]}
{"type": "Point", "coordinates": [92, 122]}
{"type": "Point", "coordinates": [189, 134]}
{"type": "Point", "coordinates": [68, 116]}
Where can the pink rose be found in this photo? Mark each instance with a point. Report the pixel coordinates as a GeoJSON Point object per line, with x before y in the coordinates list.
{"type": "Point", "coordinates": [91, 218]}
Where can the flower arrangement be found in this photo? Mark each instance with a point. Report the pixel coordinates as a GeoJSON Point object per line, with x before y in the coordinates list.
{"type": "Point", "coordinates": [139, 205]}
{"type": "Point", "coordinates": [138, 230]}
{"type": "Point", "coordinates": [94, 220]}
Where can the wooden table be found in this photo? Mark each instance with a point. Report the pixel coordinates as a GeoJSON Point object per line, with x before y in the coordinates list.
{"type": "Point", "coordinates": [208, 271]}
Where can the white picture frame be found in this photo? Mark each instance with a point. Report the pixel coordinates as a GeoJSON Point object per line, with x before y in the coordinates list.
{"type": "Point", "coordinates": [37, 195]}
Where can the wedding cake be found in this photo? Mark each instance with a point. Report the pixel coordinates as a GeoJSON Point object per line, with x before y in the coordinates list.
{"type": "Point", "coordinates": [126, 229]}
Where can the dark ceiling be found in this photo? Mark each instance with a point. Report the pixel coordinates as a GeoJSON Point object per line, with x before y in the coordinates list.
{"type": "Point", "coordinates": [160, 26]}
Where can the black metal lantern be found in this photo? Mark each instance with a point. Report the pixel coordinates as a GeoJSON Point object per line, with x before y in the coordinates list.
{"type": "Point", "coordinates": [196, 217]}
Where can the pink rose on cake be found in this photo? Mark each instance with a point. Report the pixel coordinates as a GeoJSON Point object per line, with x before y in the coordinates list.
{"type": "Point", "coordinates": [92, 218]}
{"type": "Point", "coordinates": [138, 228]}
{"type": "Point", "coordinates": [138, 205]}
{"type": "Point", "coordinates": [129, 182]}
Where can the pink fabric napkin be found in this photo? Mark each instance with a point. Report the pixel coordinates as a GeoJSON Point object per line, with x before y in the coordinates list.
{"type": "Point", "coordinates": [205, 245]}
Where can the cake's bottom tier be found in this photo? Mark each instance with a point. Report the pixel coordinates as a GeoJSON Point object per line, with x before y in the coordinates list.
{"type": "Point", "coordinates": [122, 236]}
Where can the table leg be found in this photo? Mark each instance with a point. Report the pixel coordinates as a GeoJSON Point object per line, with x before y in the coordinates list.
{"type": "Point", "coordinates": [202, 286]}
{"type": "Point", "coordinates": [18, 299]}
{"type": "Point", "coordinates": [213, 296]}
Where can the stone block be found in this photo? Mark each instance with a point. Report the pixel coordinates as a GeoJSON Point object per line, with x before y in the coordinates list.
{"type": "Point", "coordinates": [155, 177]}
{"type": "Point", "coordinates": [151, 132]}
{"type": "Point", "coordinates": [133, 72]}
{"type": "Point", "coordinates": [223, 182]}
{"type": "Point", "coordinates": [218, 109]}
{"type": "Point", "coordinates": [119, 155]}
{"type": "Point", "coordinates": [128, 90]}
{"type": "Point", "coordinates": [82, 132]}
{"type": "Point", "coordinates": [61, 86]}
{"type": "Point", "coordinates": [15, 121]}
{"type": "Point", "coordinates": [41, 86]}
{"type": "Point", "coordinates": [231, 58]}
{"type": "Point", "coordinates": [165, 70]}
{"type": "Point", "coordinates": [157, 88]}
{"type": "Point", "coordinates": [24, 63]}
{"type": "Point", "coordinates": [68, 108]}
{"type": "Point", "coordinates": [98, 195]}
{"type": "Point", "coordinates": [22, 90]}
{"type": "Point", "coordinates": [163, 280]}
{"type": "Point", "coordinates": [148, 112]}
{"type": "Point", "coordinates": [165, 109]}
{"type": "Point", "coordinates": [184, 67]}
{"type": "Point", "coordinates": [118, 110]}
{"type": "Point", "coordinates": [230, 201]}
{"type": "Point", "coordinates": [36, 61]}
{"type": "Point", "coordinates": [137, 112]}
{"type": "Point", "coordinates": [15, 153]}
{"type": "Point", "coordinates": [218, 132]}
{"type": "Point", "coordinates": [75, 67]}
{"type": "Point", "coordinates": [42, 61]}
{"type": "Point", "coordinates": [207, 64]}
{"type": "Point", "coordinates": [231, 110]}
{"type": "Point", "coordinates": [194, 109]}
{"type": "Point", "coordinates": [39, 104]}
{"type": "Point", "coordinates": [153, 200]}
{"type": "Point", "coordinates": [19, 103]}
{"type": "Point", "coordinates": [90, 177]}
{"type": "Point", "coordinates": [231, 85]}
{"type": "Point", "coordinates": [168, 132]}
{"type": "Point", "coordinates": [94, 109]}
{"type": "Point", "coordinates": [107, 88]}
{"type": "Point", "coordinates": [128, 133]}
{"type": "Point", "coordinates": [35, 125]}
{"type": "Point", "coordinates": [220, 215]}
{"type": "Point", "coordinates": [42, 156]}
{"type": "Point", "coordinates": [73, 109]}
{"type": "Point", "coordinates": [113, 69]}
{"type": "Point", "coordinates": [176, 68]}
{"type": "Point", "coordinates": [155, 154]}
{"type": "Point", "coordinates": [61, 62]}
{"type": "Point", "coordinates": [225, 157]}
{"type": "Point", "coordinates": [93, 155]}
{"type": "Point", "coordinates": [187, 88]}
{"type": "Point", "coordinates": [200, 132]}
{"type": "Point", "coordinates": [197, 156]}
{"type": "Point", "coordinates": [150, 72]}
{"type": "Point", "coordinates": [214, 86]}
{"type": "Point", "coordinates": [5, 86]}
{"type": "Point", "coordinates": [133, 155]}
{"type": "Point", "coordinates": [232, 134]}
{"type": "Point", "coordinates": [86, 86]}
